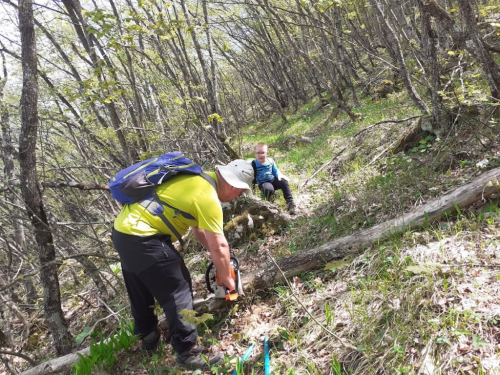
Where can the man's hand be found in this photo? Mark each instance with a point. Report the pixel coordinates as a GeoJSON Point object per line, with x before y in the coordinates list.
{"type": "Point", "coordinates": [219, 251]}
{"type": "Point", "coordinates": [229, 283]}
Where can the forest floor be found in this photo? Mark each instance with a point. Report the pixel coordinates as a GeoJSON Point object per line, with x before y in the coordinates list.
{"type": "Point", "coordinates": [426, 301]}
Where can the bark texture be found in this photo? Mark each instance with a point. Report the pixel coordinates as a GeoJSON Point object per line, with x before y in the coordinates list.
{"type": "Point", "coordinates": [30, 188]}
{"type": "Point", "coordinates": [490, 67]}
{"type": "Point", "coordinates": [397, 55]}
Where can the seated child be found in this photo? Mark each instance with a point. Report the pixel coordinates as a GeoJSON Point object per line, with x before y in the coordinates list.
{"type": "Point", "coordinates": [269, 178]}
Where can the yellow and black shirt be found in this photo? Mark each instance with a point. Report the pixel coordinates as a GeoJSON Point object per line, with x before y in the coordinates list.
{"type": "Point", "coordinates": [191, 194]}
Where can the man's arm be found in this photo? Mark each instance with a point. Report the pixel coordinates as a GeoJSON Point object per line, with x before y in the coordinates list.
{"type": "Point", "coordinates": [219, 251]}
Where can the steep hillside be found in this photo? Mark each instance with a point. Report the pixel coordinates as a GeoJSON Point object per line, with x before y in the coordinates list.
{"type": "Point", "coordinates": [372, 108]}
{"type": "Point", "coordinates": [424, 302]}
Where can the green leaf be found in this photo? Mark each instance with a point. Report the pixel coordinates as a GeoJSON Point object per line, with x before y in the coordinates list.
{"type": "Point", "coordinates": [458, 332]}
{"type": "Point", "coordinates": [397, 349]}
{"type": "Point", "coordinates": [215, 116]}
{"type": "Point", "coordinates": [477, 342]}
{"type": "Point", "coordinates": [81, 336]}
{"type": "Point", "coordinates": [328, 314]}
{"type": "Point", "coordinates": [190, 317]}
{"type": "Point", "coordinates": [443, 340]}
{"type": "Point", "coordinates": [115, 267]}
{"type": "Point", "coordinates": [427, 268]}
{"type": "Point", "coordinates": [206, 317]}
{"type": "Point", "coordinates": [336, 265]}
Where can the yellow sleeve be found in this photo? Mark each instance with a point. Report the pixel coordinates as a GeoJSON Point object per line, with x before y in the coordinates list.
{"type": "Point", "coordinates": [208, 212]}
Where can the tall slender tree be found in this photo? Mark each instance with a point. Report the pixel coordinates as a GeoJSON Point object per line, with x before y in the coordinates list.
{"type": "Point", "coordinates": [397, 54]}
{"type": "Point", "coordinates": [30, 187]}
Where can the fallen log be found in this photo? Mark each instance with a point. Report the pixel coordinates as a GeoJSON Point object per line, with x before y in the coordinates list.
{"type": "Point", "coordinates": [480, 188]}
{"type": "Point", "coordinates": [56, 365]}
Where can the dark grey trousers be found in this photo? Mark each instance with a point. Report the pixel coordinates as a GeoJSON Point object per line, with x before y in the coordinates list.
{"type": "Point", "coordinates": [153, 269]}
{"type": "Point", "coordinates": [268, 188]}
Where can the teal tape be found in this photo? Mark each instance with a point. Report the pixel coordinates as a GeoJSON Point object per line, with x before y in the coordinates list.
{"type": "Point", "coordinates": [246, 355]}
{"type": "Point", "coordinates": [267, 370]}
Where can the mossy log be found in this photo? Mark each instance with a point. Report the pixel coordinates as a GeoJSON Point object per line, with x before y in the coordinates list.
{"type": "Point", "coordinates": [385, 88]}
{"type": "Point", "coordinates": [249, 220]}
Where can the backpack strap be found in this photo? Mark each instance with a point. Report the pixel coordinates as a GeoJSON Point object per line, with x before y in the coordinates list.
{"type": "Point", "coordinates": [210, 180]}
{"type": "Point", "coordinates": [155, 207]}
{"type": "Point", "coordinates": [164, 218]}
{"type": "Point", "coordinates": [254, 166]}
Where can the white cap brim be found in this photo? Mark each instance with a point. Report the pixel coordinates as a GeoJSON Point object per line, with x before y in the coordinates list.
{"type": "Point", "coordinates": [231, 172]}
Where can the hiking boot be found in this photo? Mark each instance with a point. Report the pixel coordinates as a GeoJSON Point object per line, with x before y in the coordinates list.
{"type": "Point", "coordinates": [151, 342]}
{"type": "Point", "coordinates": [291, 208]}
{"type": "Point", "coordinates": [193, 360]}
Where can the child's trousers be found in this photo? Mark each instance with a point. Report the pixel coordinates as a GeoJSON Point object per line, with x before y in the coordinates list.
{"type": "Point", "coordinates": [268, 188]}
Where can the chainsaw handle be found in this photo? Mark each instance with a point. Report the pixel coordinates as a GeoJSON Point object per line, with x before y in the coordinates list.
{"type": "Point", "coordinates": [207, 278]}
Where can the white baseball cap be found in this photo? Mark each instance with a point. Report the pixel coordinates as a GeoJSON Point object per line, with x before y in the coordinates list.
{"type": "Point", "coordinates": [238, 174]}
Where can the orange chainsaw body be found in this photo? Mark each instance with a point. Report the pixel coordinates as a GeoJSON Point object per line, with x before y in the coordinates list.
{"type": "Point", "coordinates": [219, 288]}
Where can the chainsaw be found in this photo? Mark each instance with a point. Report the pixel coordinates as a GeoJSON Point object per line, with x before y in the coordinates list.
{"type": "Point", "coordinates": [214, 282]}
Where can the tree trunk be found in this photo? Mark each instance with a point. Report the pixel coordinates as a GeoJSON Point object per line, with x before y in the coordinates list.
{"type": "Point", "coordinates": [317, 75]}
{"type": "Point", "coordinates": [30, 189]}
{"type": "Point", "coordinates": [477, 50]}
{"type": "Point", "coordinates": [398, 56]}
{"type": "Point", "coordinates": [8, 156]}
{"type": "Point", "coordinates": [206, 76]}
{"type": "Point", "coordinates": [429, 43]}
{"type": "Point", "coordinates": [349, 73]}
{"type": "Point", "coordinates": [272, 101]}
{"type": "Point", "coordinates": [490, 67]}
{"type": "Point", "coordinates": [211, 89]}
{"type": "Point", "coordinates": [74, 9]}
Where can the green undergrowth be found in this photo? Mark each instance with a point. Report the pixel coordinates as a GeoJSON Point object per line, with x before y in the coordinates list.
{"type": "Point", "coordinates": [415, 301]}
{"type": "Point", "coordinates": [422, 301]}
{"type": "Point", "coordinates": [104, 351]}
